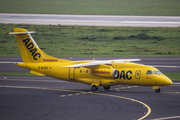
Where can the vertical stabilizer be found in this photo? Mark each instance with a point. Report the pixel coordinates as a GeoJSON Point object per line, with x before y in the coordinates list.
{"type": "Point", "coordinates": [30, 52]}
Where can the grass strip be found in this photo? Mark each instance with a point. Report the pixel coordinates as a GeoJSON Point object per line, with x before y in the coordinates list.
{"type": "Point", "coordinates": [172, 76]}
{"type": "Point", "coordinates": [96, 41]}
{"type": "Point", "coordinates": [16, 74]}
{"type": "Point", "coordinates": [93, 7]}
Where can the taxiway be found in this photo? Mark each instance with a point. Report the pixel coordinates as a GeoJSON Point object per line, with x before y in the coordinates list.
{"type": "Point", "coordinates": [44, 98]}
{"type": "Point", "coordinates": [164, 64]}
{"type": "Point", "coordinates": [91, 20]}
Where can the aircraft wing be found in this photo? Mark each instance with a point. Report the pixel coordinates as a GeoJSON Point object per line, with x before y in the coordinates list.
{"type": "Point", "coordinates": [95, 63]}
{"type": "Point", "coordinates": [124, 60]}
{"type": "Point", "coordinates": [90, 64]}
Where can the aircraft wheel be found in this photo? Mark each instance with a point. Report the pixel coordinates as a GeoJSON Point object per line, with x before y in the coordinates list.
{"type": "Point", "coordinates": [107, 87]}
{"type": "Point", "coordinates": [94, 88]}
{"type": "Point", "coordinates": [157, 90]}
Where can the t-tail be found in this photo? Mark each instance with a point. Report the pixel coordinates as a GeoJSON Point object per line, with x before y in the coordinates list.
{"type": "Point", "coordinates": [30, 52]}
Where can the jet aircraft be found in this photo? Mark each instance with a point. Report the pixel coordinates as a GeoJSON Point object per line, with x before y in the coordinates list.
{"type": "Point", "coordinates": [95, 73]}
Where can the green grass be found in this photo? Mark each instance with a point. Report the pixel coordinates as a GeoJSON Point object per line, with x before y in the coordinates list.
{"type": "Point", "coordinates": [172, 76]}
{"type": "Point", "coordinates": [93, 7]}
{"type": "Point", "coordinates": [16, 74]}
{"type": "Point", "coordinates": [92, 41]}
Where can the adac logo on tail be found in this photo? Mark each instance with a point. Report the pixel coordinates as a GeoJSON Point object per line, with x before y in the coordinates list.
{"type": "Point", "coordinates": [30, 46]}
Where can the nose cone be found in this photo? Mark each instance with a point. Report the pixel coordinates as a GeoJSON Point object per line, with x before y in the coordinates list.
{"type": "Point", "coordinates": [164, 80]}
{"type": "Point", "coordinates": [168, 81]}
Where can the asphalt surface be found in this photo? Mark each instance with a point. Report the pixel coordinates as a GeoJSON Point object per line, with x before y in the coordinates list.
{"type": "Point", "coordinates": [91, 20]}
{"type": "Point", "coordinates": [44, 98]}
{"type": "Point", "coordinates": [164, 64]}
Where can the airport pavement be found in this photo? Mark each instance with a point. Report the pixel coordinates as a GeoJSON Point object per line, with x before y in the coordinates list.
{"type": "Point", "coordinates": [44, 98]}
{"type": "Point", "coordinates": [164, 64]}
{"type": "Point", "coordinates": [91, 20]}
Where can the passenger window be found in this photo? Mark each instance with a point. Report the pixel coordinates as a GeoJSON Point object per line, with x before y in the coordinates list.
{"type": "Point", "coordinates": [149, 72]}
{"type": "Point", "coordinates": [80, 71]}
{"type": "Point", "coordinates": [86, 71]}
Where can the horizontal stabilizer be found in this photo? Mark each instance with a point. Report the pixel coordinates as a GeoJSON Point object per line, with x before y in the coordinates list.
{"type": "Point", "coordinates": [20, 33]}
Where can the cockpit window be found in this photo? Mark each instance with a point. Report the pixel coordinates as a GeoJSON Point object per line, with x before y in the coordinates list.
{"type": "Point", "coordinates": [157, 72]}
{"type": "Point", "coordinates": [149, 72]}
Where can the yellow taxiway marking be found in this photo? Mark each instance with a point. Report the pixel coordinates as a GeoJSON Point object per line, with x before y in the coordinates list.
{"type": "Point", "coordinates": [95, 93]}
{"type": "Point", "coordinates": [148, 91]}
{"type": "Point", "coordinates": [33, 80]}
{"type": "Point", "coordinates": [116, 88]}
{"type": "Point", "coordinates": [62, 95]}
{"type": "Point", "coordinates": [129, 87]}
{"type": "Point", "coordinates": [167, 118]}
{"type": "Point", "coordinates": [70, 95]}
{"type": "Point", "coordinates": [80, 93]}
{"type": "Point", "coordinates": [123, 88]}
{"type": "Point", "coordinates": [149, 109]}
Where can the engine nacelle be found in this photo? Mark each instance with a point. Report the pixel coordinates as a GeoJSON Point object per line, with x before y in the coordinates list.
{"type": "Point", "coordinates": [107, 73]}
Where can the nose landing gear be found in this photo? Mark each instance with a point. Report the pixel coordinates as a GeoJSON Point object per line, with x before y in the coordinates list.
{"type": "Point", "coordinates": [157, 89]}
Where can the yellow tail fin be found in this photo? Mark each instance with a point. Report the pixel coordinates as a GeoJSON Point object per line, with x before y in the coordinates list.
{"type": "Point", "coordinates": [30, 52]}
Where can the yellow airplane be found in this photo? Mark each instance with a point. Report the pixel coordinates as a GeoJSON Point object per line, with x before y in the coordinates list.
{"type": "Point", "coordinates": [94, 73]}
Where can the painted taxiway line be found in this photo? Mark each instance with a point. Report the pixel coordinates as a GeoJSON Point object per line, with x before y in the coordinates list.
{"type": "Point", "coordinates": [166, 118]}
{"type": "Point", "coordinates": [165, 66]}
{"type": "Point", "coordinates": [9, 62]}
{"type": "Point", "coordinates": [10, 79]}
{"type": "Point", "coordinates": [122, 88]}
{"type": "Point", "coordinates": [34, 80]}
{"type": "Point", "coordinates": [148, 65]}
{"type": "Point", "coordinates": [95, 93]}
{"type": "Point", "coordinates": [149, 109]}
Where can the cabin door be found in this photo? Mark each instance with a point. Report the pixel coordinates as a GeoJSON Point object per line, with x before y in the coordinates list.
{"type": "Point", "coordinates": [71, 73]}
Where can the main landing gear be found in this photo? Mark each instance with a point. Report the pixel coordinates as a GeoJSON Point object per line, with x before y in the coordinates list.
{"type": "Point", "coordinates": [107, 87]}
{"type": "Point", "coordinates": [95, 88]}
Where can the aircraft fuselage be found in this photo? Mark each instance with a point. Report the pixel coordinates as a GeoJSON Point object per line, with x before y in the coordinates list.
{"type": "Point", "coordinates": [129, 74]}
